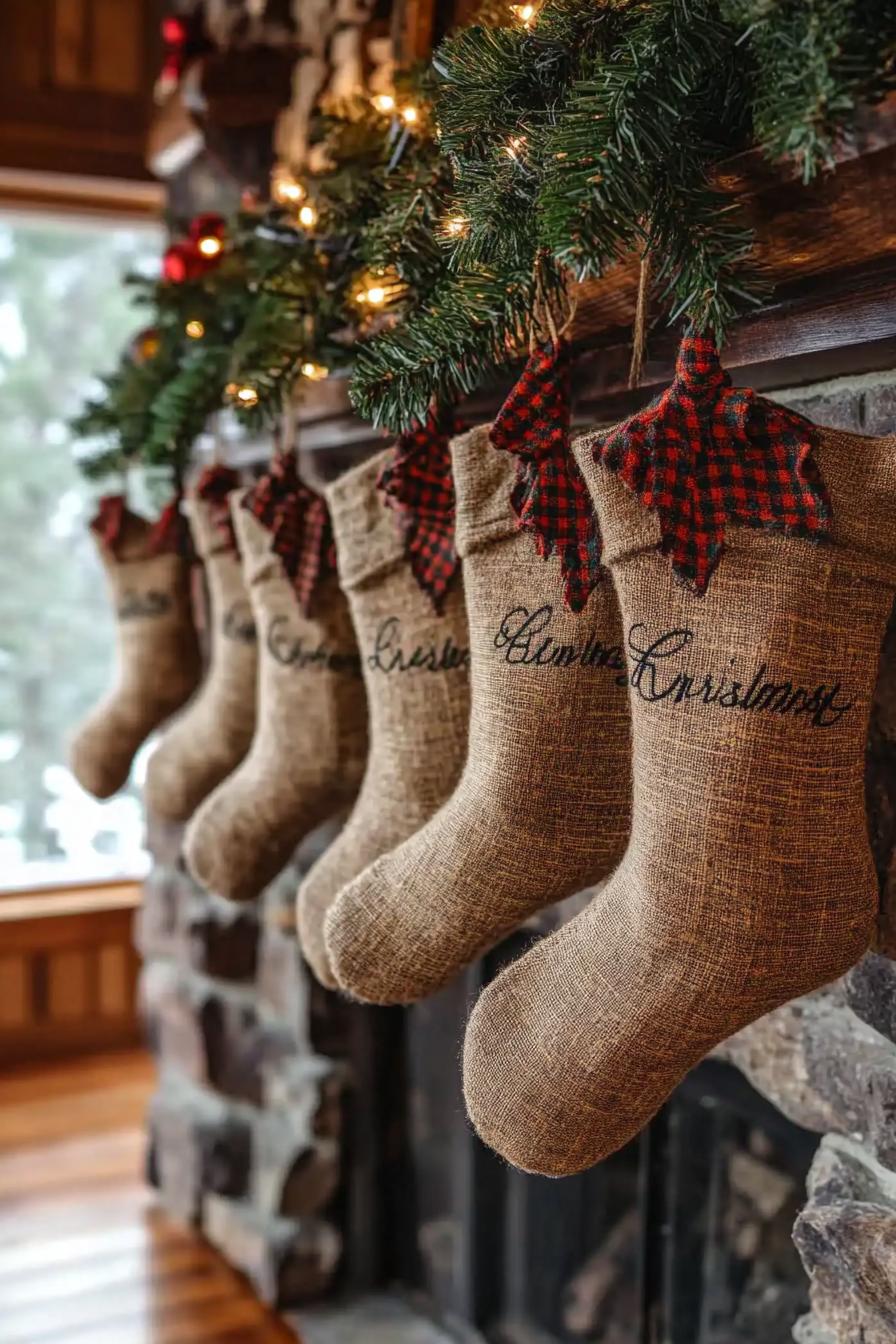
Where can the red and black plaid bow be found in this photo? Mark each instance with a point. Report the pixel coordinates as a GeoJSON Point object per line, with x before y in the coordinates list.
{"type": "Point", "coordinates": [213, 487]}
{"type": "Point", "coordinates": [418, 485]}
{"type": "Point", "coordinates": [168, 533]}
{"type": "Point", "coordinates": [109, 519]}
{"type": "Point", "coordinates": [705, 454]}
{"type": "Point", "coordinates": [299, 523]}
{"type": "Point", "coordinates": [550, 497]}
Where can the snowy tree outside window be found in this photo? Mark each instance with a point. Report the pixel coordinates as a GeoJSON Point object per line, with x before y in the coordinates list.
{"type": "Point", "coordinates": [63, 314]}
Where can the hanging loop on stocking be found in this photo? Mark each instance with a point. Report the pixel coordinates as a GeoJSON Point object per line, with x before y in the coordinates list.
{"type": "Point", "coordinates": [417, 484]}
{"type": "Point", "coordinates": [706, 454]}
{"type": "Point", "coordinates": [550, 498]}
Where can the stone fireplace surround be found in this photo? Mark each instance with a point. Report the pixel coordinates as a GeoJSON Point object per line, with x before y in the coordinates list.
{"type": "Point", "coordinates": [247, 1126]}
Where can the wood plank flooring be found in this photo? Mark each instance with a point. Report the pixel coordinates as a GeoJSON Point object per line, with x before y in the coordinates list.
{"type": "Point", "coordinates": [85, 1257]}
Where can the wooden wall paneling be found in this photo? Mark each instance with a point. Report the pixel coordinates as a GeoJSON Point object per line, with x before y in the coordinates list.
{"type": "Point", "coordinates": [68, 972]}
{"type": "Point", "coordinates": [76, 81]}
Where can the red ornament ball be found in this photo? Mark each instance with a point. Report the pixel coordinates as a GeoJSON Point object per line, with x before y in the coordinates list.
{"type": "Point", "coordinates": [182, 262]}
{"type": "Point", "coordinates": [174, 31]}
{"type": "Point", "coordinates": [207, 226]}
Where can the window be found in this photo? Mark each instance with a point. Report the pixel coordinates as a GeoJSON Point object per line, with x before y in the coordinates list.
{"type": "Point", "coordinates": [64, 316]}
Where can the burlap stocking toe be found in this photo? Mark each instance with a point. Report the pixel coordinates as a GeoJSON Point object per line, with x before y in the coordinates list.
{"type": "Point", "coordinates": [415, 664]}
{"type": "Point", "coordinates": [542, 807]}
{"type": "Point", "coordinates": [309, 747]}
{"type": "Point", "coordinates": [748, 880]}
{"type": "Point", "coordinates": [158, 654]}
{"type": "Point", "coordinates": [212, 737]}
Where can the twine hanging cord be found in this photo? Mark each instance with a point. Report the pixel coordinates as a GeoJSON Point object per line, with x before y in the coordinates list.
{"type": "Point", "coordinates": [547, 324]}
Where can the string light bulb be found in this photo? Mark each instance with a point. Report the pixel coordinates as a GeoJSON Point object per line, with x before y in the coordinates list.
{"type": "Point", "coordinates": [209, 245]}
{"type": "Point", "coordinates": [243, 393]}
{"type": "Point", "coordinates": [455, 226]}
{"type": "Point", "coordinates": [315, 373]}
{"type": "Point", "coordinates": [383, 102]}
{"type": "Point", "coordinates": [195, 329]}
{"type": "Point", "coordinates": [307, 216]}
{"type": "Point", "coordinates": [525, 13]}
{"type": "Point", "coordinates": [410, 115]}
{"type": "Point", "coordinates": [378, 288]}
{"type": "Point", "coordinates": [286, 189]}
{"type": "Point", "coordinates": [375, 296]}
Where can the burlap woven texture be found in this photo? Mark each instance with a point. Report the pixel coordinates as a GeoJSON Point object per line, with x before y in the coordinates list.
{"type": "Point", "coordinates": [158, 657]}
{"type": "Point", "coordinates": [211, 738]}
{"type": "Point", "coordinates": [748, 880]}
{"type": "Point", "coordinates": [542, 807]}
{"type": "Point", "coordinates": [308, 752]}
{"type": "Point", "coordinates": [416, 673]}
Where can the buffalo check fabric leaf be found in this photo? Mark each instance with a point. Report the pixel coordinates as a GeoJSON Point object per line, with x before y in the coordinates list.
{"type": "Point", "coordinates": [214, 486]}
{"type": "Point", "coordinates": [109, 519]}
{"type": "Point", "coordinates": [706, 454]}
{"type": "Point", "coordinates": [170, 532]}
{"type": "Point", "coordinates": [550, 498]}
{"type": "Point", "coordinates": [417, 484]}
{"type": "Point", "coordinates": [299, 523]}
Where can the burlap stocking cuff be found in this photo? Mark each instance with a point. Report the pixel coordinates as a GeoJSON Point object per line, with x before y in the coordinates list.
{"type": "Point", "coordinates": [484, 478]}
{"type": "Point", "coordinates": [254, 541]}
{"type": "Point", "coordinates": [369, 542]}
{"type": "Point", "coordinates": [863, 539]}
{"type": "Point", "coordinates": [208, 536]}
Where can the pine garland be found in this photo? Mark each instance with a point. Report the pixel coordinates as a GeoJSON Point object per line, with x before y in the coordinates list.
{"type": "Point", "coordinates": [542, 153]}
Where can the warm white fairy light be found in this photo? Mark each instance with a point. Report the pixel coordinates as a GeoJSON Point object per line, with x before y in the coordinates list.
{"type": "Point", "coordinates": [410, 115]}
{"type": "Point", "coordinates": [375, 296]}
{"type": "Point", "coordinates": [243, 393]}
{"type": "Point", "coordinates": [314, 372]}
{"type": "Point", "coordinates": [383, 102]}
{"type": "Point", "coordinates": [525, 14]}
{"type": "Point", "coordinates": [455, 226]}
{"type": "Point", "coordinates": [209, 245]}
{"type": "Point", "coordinates": [195, 329]}
{"type": "Point", "coordinates": [285, 188]}
{"type": "Point", "coordinates": [307, 216]}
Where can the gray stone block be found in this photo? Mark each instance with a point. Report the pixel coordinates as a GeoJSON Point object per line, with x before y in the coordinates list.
{"type": "Point", "coordinates": [294, 1174]}
{"type": "Point", "coordinates": [771, 1053]}
{"type": "Point", "coordinates": [832, 405]}
{"type": "Point", "coordinates": [289, 1261]}
{"type": "Point", "coordinates": [174, 1008]}
{"type": "Point", "coordinates": [282, 980]}
{"type": "Point", "coordinates": [200, 1143]}
{"type": "Point", "coordinates": [222, 938]}
{"type": "Point", "coordinates": [158, 924]}
{"type": "Point", "coordinates": [871, 993]}
{"type": "Point", "coordinates": [164, 840]}
{"type": "Point", "coordinates": [846, 1236]}
{"type": "Point", "coordinates": [880, 409]}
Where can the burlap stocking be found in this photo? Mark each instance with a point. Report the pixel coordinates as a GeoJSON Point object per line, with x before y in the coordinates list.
{"type": "Point", "coordinates": [208, 742]}
{"type": "Point", "coordinates": [415, 664]}
{"type": "Point", "coordinates": [542, 806]}
{"type": "Point", "coordinates": [748, 879]}
{"type": "Point", "coordinates": [158, 651]}
{"type": "Point", "coordinates": [308, 752]}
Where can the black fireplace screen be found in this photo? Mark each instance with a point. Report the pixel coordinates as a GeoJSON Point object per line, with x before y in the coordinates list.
{"type": "Point", "coordinates": [682, 1238]}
